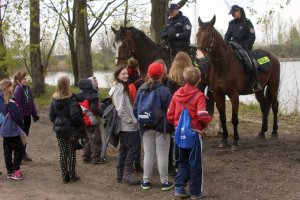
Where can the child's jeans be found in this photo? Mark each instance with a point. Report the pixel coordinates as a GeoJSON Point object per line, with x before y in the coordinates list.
{"type": "Point", "coordinates": [13, 152]}
{"type": "Point", "coordinates": [190, 168]}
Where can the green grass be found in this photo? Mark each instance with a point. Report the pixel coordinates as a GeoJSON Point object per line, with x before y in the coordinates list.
{"type": "Point", "coordinates": [45, 99]}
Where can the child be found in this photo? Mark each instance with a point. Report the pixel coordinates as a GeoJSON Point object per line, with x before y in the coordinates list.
{"type": "Point", "coordinates": [194, 100]}
{"type": "Point", "coordinates": [24, 98]}
{"type": "Point", "coordinates": [134, 82]}
{"type": "Point", "coordinates": [175, 80]}
{"type": "Point", "coordinates": [155, 138]}
{"type": "Point", "coordinates": [66, 115]}
{"type": "Point", "coordinates": [12, 145]}
{"type": "Point", "coordinates": [92, 147]}
{"type": "Point", "coordinates": [128, 125]}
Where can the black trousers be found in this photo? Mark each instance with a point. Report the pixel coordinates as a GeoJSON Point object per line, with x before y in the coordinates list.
{"type": "Point", "coordinates": [13, 153]}
{"type": "Point", "coordinates": [127, 153]}
{"type": "Point", "coordinates": [27, 124]}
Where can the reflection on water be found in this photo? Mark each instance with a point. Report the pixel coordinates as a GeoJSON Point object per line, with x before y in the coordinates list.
{"type": "Point", "coordinates": [289, 94]}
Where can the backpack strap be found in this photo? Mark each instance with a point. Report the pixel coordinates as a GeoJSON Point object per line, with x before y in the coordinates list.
{"type": "Point", "coordinates": [188, 103]}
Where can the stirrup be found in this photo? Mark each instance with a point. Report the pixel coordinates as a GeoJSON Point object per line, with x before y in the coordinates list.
{"type": "Point", "coordinates": [256, 87]}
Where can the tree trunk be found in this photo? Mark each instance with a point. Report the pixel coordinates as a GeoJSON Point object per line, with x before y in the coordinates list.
{"type": "Point", "coordinates": [3, 66]}
{"type": "Point", "coordinates": [158, 18]}
{"type": "Point", "coordinates": [74, 60]}
{"type": "Point", "coordinates": [37, 68]}
{"type": "Point", "coordinates": [83, 47]}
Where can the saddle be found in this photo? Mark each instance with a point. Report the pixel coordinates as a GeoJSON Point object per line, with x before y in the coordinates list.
{"type": "Point", "coordinates": [259, 58]}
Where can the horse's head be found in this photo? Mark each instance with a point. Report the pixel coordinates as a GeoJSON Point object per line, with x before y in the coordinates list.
{"type": "Point", "coordinates": [206, 38]}
{"type": "Point", "coordinates": [123, 44]}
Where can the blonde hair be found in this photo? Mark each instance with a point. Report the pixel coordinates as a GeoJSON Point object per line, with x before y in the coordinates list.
{"type": "Point", "coordinates": [181, 61]}
{"type": "Point", "coordinates": [192, 75]}
{"type": "Point", "coordinates": [4, 85]}
{"type": "Point", "coordinates": [62, 88]}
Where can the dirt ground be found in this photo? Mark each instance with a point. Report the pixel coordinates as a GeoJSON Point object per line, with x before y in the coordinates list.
{"type": "Point", "coordinates": [261, 169]}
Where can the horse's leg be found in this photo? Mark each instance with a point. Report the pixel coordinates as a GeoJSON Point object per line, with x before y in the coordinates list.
{"type": "Point", "coordinates": [273, 93]}
{"type": "Point", "coordinates": [234, 120]}
{"type": "Point", "coordinates": [220, 103]}
{"type": "Point", "coordinates": [265, 106]}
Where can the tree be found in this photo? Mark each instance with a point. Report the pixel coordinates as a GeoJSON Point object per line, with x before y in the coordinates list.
{"type": "Point", "coordinates": [37, 68]}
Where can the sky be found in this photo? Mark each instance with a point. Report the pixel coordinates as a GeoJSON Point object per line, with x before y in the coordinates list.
{"type": "Point", "coordinates": [207, 8]}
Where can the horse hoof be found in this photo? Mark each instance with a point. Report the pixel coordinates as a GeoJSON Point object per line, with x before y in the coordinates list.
{"type": "Point", "coordinates": [235, 147]}
{"type": "Point", "coordinates": [222, 145]}
{"type": "Point", "coordinates": [261, 136]}
{"type": "Point", "coordinates": [274, 136]}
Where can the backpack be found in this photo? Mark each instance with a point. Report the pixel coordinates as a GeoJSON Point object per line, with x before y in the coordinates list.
{"type": "Point", "coordinates": [185, 136]}
{"type": "Point", "coordinates": [132, 88]}
{"type": "Point", "coordinates": [89, 118]}
{"type": "Point", "coordinates": [149, 107]}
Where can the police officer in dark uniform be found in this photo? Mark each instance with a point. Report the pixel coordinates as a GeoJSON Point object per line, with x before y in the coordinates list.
{"type": "Point", "coordinates": [177, 31]}
{"type": "Point", "coordinates": [241, 30]}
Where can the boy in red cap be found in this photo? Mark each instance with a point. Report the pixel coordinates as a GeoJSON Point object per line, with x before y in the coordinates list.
{"type": "Point", "coordinates": [156, 137]}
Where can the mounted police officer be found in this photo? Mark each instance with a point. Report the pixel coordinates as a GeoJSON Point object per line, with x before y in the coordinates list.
{"type": "Point", "coordinates": [177, 31]}
{"type": "Point", "coordinates": [241, 30]}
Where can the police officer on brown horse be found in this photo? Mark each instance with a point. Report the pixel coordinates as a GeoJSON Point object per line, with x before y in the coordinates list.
{"type": "Point", "coordinates": [177, 31]}
{"type": "Point", "coordinates": [241, 31]}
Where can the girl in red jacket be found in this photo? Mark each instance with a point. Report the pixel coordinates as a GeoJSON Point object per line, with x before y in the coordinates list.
{"type": "Point", "coordinates": [191, 97]}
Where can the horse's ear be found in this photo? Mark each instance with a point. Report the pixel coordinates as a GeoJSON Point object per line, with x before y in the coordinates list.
{"type": "Point", "coordinates": [200, 21]}
{"type": "Point", "coordinates": [114, 30]}
{"type": "Point", "coordinates": [213, 20]}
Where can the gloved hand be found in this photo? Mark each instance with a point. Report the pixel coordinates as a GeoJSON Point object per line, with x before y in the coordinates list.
{"type": "Point", "coordinates": [171, 35]}
{"type": "Point", "coordinates": [36, 118]}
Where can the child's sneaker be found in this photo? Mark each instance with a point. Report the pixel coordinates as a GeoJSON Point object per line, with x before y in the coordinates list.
{"type": "Point", "coordinates": [167, 186]}
{"type": "Point", "coordinates": [17, 175]}
{"type": "Point", "coordinates": [200, 196]}
{"type": "Point", "coordinates": [180, 192]}
{"type": "Point", "coordinates": [146, 185]}
{"type": "Point", "coordinates": [9, 174]}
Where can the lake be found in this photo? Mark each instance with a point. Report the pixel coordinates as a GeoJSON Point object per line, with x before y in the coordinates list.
{"type": "Point", "coordinates": [289, 93]}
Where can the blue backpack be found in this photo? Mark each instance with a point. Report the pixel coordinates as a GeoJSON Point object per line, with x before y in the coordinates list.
{"type": "Point", "coordinates": [149, 108]}
{"type": "Point", "coordinates": [185, 136]}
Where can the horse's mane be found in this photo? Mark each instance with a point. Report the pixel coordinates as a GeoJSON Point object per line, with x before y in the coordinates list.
{"type": "Point", "coordinates": [137, 34]}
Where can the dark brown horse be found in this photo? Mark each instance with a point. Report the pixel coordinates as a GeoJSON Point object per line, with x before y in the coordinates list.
{"type": "Point", "coordinates": [130, 41]}
{"type": "Point", "coordinates": [226, 76]}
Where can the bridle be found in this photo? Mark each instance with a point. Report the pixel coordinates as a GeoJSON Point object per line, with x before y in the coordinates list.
{"type": "Point", "coordinates": [208, 50]}
{"type": "Point", "coordinates": [130, 51]}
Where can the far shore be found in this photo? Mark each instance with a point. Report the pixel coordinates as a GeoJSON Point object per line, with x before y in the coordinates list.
{"type": "Point", "coordinates": [288, 59]}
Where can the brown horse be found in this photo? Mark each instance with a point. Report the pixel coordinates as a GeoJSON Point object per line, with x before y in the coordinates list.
{"type": "Point", "coordinates": [226, 76]}
{"type": "Point", "coordinates": [130, 41]}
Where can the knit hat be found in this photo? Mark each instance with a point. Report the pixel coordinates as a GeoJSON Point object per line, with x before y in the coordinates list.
{"type": "Point", "coordinates": [155, 70]}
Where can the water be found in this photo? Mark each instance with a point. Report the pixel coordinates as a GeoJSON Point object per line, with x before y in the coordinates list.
{"type": "Point", "coordinates": [289, 93]}
{"type": "Point", "coordinates": [289, 89]}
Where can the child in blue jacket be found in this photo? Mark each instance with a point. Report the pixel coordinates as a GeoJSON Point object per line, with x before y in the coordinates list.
{"type": "Point", "coordinates": [12, 144]}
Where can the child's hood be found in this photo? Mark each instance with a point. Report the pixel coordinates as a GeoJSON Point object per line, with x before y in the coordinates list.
{"type": "Point", "coordinates": [116, 87]}
{"type": "Point", "coordinates": [186, 93]}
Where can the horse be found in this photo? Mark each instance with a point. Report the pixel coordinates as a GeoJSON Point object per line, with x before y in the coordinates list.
{"type": "Point", "coordinates": [226, 76]}
{"type": "Point", "coordinates": [132, 42]}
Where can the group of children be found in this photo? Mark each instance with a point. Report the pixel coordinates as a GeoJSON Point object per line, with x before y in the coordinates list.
{"type": "Point", "coordinates": [173, 93]}
{"type": "Point", "coordinates": [17, 109]}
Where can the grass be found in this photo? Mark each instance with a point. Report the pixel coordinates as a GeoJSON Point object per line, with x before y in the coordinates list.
{"type": "Point", "coordinates": [45, 99]}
